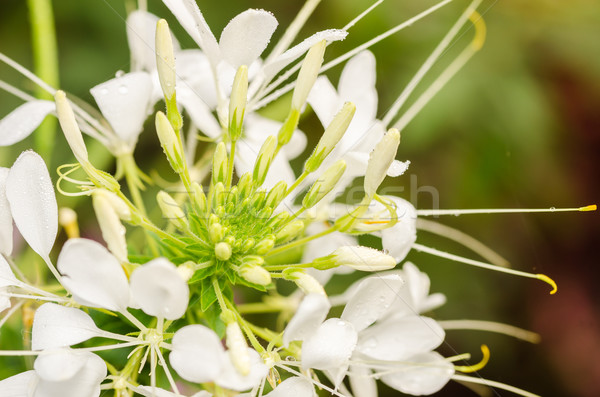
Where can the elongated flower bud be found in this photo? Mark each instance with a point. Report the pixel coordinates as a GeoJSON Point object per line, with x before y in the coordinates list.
{"type": "Point", "coordinates": [113, 231]}
{"type": "Point", "coordinates": [276, 194]}
{"type": "Point", "coordinates": [332, 135]}
{"type": "Point", "coordinates": [238, 348]}
{"type": "Point", "coordinates": [165, 59]}
{"type": "Point", "coordinates": [237, 102]}
{"type": "Point", "coordinates": [289, 126]}
{"type": "Point", "coordinates": [363, 258]}
{"type": "Point", "coordinates": [219, 169]}
{"type": "Point", "coordinates": [264, 159]}
{"type": "Point", "coordinates": [290, 231]}
{"type": "Point", "coordinates": [199, 198]}
{"type": "Point", "coordinates": [255, 274]}
{"type": "Point", "coordinates": [307, 283]}
{"type": "Point", "coordinates": [308, 74]}
{"type": "Point", "coordinates": [169, 142]}
{"type": "Point", "coordinates": [68, 123]}
{"type": "Point", "coordinates": [223, 251]}
{"type": "Point", "coordinates": [324, 184]}
{"type": "Point", "coordinates": [171, 210]}
{"type": "Point", "coordinates": [380, 160]}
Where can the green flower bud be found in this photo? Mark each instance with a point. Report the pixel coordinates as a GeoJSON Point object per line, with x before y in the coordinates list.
{"type": "Point", "coordinates": [255, 274]}
{"type": "Point", "coordinates": [165, 59]}
{"type": "Point", "coordinates": [171, 210]}
{"type": "Point", "coordinates": [199, 198]}
{"type": "Point", "coordinates": [223, 251]}
{"type": "Point", "coordinates": [215, 232]}
{"type": "Point", "coordinates": [265, 245]}
{"type": "Point", "coordinates": [324, 184]}
{"type": "Point", "coordinates": [289, 126]}
{"type": "Point", "coordinates": [169, 142]}
{"type": "Point", "coordinates": [237, 102]}
{"type": "Point", "coordinates": [276, 195]}
{"type": "Point", "coordinates": [219, 165]}
{"type": "Point", "coordinates": [289, 231]}
{"type": "Point", "coordinates": [263, 160]}
{"type": "Point", "coordinates": [380, 160]}
{"type": "Point", "coordinates": [308, 74]}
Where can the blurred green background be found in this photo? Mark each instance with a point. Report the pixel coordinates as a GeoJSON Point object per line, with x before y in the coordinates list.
{"type": "Point", "coordinates": [518, 127]}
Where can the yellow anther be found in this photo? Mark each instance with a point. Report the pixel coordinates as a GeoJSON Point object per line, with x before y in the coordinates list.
{"type": "Point", "coordinates": [476, 367]}
{"type": "Point", "coordinates": [548, 280]}
{"type": "Point", "coordinates": [592, 207]}
{"type": "Point", "coordinates": [480, 30]}
{"type": "Point", "coordinates": [67, 218]}
{"type": "Point", "coordinates": [375, 222]}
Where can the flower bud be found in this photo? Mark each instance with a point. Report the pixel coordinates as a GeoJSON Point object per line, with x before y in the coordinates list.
{"type": "Point", "coordinates": [289, 231]}
{"type": "Point", "coordinates": [165, 59]}
{"type": "Point", "coordinates": [237, 102]}
{"type": "Point", "coordinates": [308, 284]}
{"type": "Point", "coordinates": [332, 135]}
{"type": "Point", "coordinates": [171, 210]}
{"type": "Point", "coordinates": [255, 274]}
{"type": "Point", "coordinates": [218, 197]}
{"type": "Point", "coordinates": [263, 160]}
{"type": "Point", "coordinates": [120, 207]}
{"type": "Point", "coordinates": [238, 348]}
{"type": "Point", "coordinates": [276, 195]}
{"type": "Point", "coordinates": [244, 186]}
{"type": "Point", "coordinates": [308, 74]}
{"type": "Point", "coordinates": [68, 123]}
{"type": "Point", "coordinates": [199, 198]}
{"type": "Point", "coordinates": [215, 232]}
{"type": "Point", "coordinates": [186, 270]}
{"type": "Point", "coordinates": [265, 245]}
{"type": "Point", "coordinates": [223, 251]}
{"type": "Point", "coordinates": [113, 231]}
{"type": "Point", "coordinates": [363, 258]}
{"type": "Point", "coordinates": [219, 166]}
{"type": "Point", "coordinates": [324, 184]}
{"type": "Point", "coordinates": [289, 126]}
{"type": "Point", "coordinates": [169, 142]}
{"type": "Point", "coordinates": [380, 160]}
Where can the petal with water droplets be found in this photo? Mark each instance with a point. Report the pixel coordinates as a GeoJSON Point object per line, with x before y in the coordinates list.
{"type": "Point", "coordinates": [330, 346]}
{"type": "Point", "coordinates": [246, 36]}
{"type": "Point", "coordinates": [32, 201]}
{"type": "Point", "coordinates": [310, 314]}
{"type": "Point", "coordinates": [22, 121]}
{"type": "Point", "coordinates": [293, 387]}
{"type": "Point", "coordinates": [230, 378]}
{"type": "Point", "coordinates": [423, 374]}
{"type": "Point", "coordinates": [6, 223]}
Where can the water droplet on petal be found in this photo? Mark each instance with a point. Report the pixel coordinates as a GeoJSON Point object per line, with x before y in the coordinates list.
{"type": "Point", "coordinates": [123, 89]}
{"type": "Point", "coordinates": [119, 73]}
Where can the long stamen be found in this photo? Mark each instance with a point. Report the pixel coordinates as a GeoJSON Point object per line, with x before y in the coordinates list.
{"type": "Point", "coordinates": [491, 383]}
{"type": "Point", "coordinates": [491, 326]}
{"type": "Point", "coordinates": [163, 364]}
{"type": "Point", "coordinates": [586, 208]}
{"type": "Point", "coordinates": [476, 367]}
{"type": "Point", "coordinates": [484, 265]}
{"type": "Point", "coordinates": [15, 91]}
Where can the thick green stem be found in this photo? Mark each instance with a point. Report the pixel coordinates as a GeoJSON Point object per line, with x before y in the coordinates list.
{"type": "Point", "coordinates": [45, 65]}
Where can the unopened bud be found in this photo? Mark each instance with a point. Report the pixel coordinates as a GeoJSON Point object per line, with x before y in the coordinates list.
{"type": "Point", "coordinates": [219, 166]}
{"type": "Point", "coordinates": [186, 270]}
{"type": "Point", "coordinates": [276, 194]}
{"type": "Point", "coordinates": [380, 160]}
{"type": "Point", "coordinates": [290, 231]}
{"type": "Point", "coordinates": [199, 198]}
{"type": "Point", "coordinates": [363, 258]}
{"type": "Point", "coordinates": [265, 245]}
{"type": "Point", "coordinates": [113, 231]}
{"type": "Point", "coordinates": [308, 74]}
{"type": "Point", "coordinates": [332, 135]}
{"type": "Point", "coordinates": [324, 184]}
{"type": "Point", "coordinates": [244, 186]}
{"type": "Point", "coordinates": [264, 160]}
{"type": "Point", "coordinates": [255, 274]}
{"type": "Point", "coordinates": [169, 142]}
{"type": "Point", "coordinates": [238, 348]}
{"type": "Point", "coordinates": [171, 210]}
{"type": "Point", "coordinates": [237, 102]}
{"type": "Point", "coordinates": [68, 123]}
{"type": "Point", "coordinates": [215, 232]}
{"type": "Point", "coordinates": [308, 284]}
{"type": "Point", "coordinates": [165, 59]}
{"type": "Point", "coordinates": [289, 126]}
{"type": "Point", "coordinates": [223, 251]}
{"type": "Point", "coordinates": [120, 207]}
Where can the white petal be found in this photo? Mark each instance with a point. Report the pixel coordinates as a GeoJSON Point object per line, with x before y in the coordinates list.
{"type": "Point", "coordinates": [275, 66]}
{"type": "Point", "coordinates": [311, 312]}
{"type": "Point", "coordinates": [6, 222]}
{"type": "Point", "coordinates": [230, 378]}
{"type": "Point", "coordinates": [398, 339]}
{"type": "Point", "coordinates": [197, 354]}
{"type": "Point", "coordinates": [293, 387]}
{"type": "Point", "coordinates": [190, 17]}
{"type": "Point", "coordinates": [60, 326]}
{"type": "Point", "coordinates": [32, 202]}
{"type": "Point", "coordinates": [195, 74]}
{"type": "Point", "coordinates": [326, 244]}
{"type": "Point", "coordinates": [199, 112]}
{"type": "Point", "coordinates": [428, 375]}
{"type": "Point", "coordinates": [330, 346]}
{"type": "Point", "coordinates": [324, 100]}
{"type": "Point", "coordinates": [398, 239]}
{"type": "Point", "coordinates": [361, 381]}
{"type": "Point", "coordinates": [148, 391]}
{"type": "Point", "coordinates": [246, 36]}
{"type": "Point", "coordinates": [124, 101]}
{"type": "Point", "coordinates": [159, 289]}
{"type": "Point", "coordinates": [280, 170]}
{"type": "Point", "coordinates": [398, 168]}
{"type": "Point", "coordinates": [141, 32]}
{"type": "Point", "coordinates": [296, 145]}
{"type": "Point", "coordinates": [5, 302]}
{"type": "Point", "coordinates": [59, 366]}
{"type": "Point", "coordinates": [7, 277]}
{"type": "Point", "coordinates": [20, 385]}
{"type": "Point", "coordinates": [22, 121]}
{"type": "Point", "coordinates": [93, 275]}
{"type": "Point", "coordinates": [372, 299]}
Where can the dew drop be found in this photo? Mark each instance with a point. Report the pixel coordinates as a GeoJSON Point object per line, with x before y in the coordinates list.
{"type": "Point", "coordinates": [104, 91]}
{"type": "Point", "coordinates": [120, 73]}
{"type": "Point", "coordinates": [123, 89]}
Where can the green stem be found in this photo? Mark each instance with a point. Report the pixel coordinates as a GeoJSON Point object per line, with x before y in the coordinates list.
{"type": "Point", "coordinates": [298, 181]}
{"type": "Point", "coordinates": [230, 165]}
{"type": "Point", "coordinates": [301, 241]}
{"type": "Point", "coordinates": [45, 61]}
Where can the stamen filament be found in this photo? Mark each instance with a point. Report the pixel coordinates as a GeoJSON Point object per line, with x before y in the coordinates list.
{"type": "Point", "coordinates": [476, 367]}
{"type": "Point", "coordinates": [592, 207]}
{"type": "Point", "coordinates": [491, 383]}
{"type": "Point", "coordinates": [484, 265]}
{"type": "Point", "coordinates": [491, 326]}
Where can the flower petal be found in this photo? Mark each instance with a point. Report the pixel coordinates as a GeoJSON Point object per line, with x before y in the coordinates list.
{"type": "Point", "coordinates": [6, 222]}
{"type": "Point", "coordinates": [7, 277]}
{"type": "Point", "coordinates": [398, 239]}
{"type": "Point", "coordinates": [330, 346]}
{"type": "Point", "coordinates": [22, 121]}
{"type": "Point", "coordinates": [428, 375]}
{"type": "Point", "coordinates": [246, 36]}
{"type": "Point", "coordinates": [398, 339]}
{"type": "Point", "coordinates": [141, 33]}
{"type": "Point", "coordinates": [159, 289]}
{"type": "Point", "coordinates": [60, 326]}
{"type": "Point", "coordinates": [197, 354]}
{"type": "Point", "coordinates": [277, 64]}
{"type": "Point", "coordinates": [311, 312]}
{"type": "Point", "coordinates": [19, 385]}
{"type": "Point", "coordinates": [93, 275]}
{"type": "Point", "coordinates": [30, 193]}
{"type": "Point", "coordinates": [361, 381]}
{"type": "Point", "coordinates": [293, 387]}
{"type": "Point", "coordinates": [230, 378]}
{"type": "Point", "coordinates": [324, 100]}
{"type": "Point", "coordinates": [124, 101]}
{"type": "Point", "coordinates": [371, 300]}
{"type": "Point", "coordinates": [199, 112]}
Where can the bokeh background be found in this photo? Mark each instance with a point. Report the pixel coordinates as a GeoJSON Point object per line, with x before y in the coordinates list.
{"type": "Point", "coordinates": [518, 127]}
